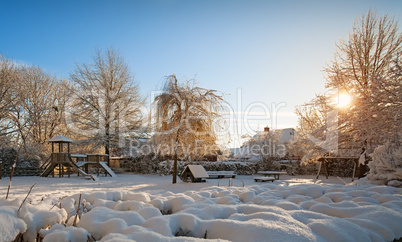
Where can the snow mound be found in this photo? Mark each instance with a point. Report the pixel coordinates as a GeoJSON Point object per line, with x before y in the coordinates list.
{"type": "Point", "coordinates": [101, 221]}
{"type": "Point", "coordinates": [61, 233]}
{"type": "Point", "coordinates": [386, 166]}
{"type": "Point", "coordinates": [10, 224]}
{"type": "Point", "coordinates": [266, 212]}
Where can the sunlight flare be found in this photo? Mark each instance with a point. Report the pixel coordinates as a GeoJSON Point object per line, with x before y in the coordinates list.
{"type": "Point", "coordinates": [344, 100]}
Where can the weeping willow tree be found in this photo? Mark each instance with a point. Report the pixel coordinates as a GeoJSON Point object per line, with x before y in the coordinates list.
{"type": "Point", "coordinates": [185, 118]}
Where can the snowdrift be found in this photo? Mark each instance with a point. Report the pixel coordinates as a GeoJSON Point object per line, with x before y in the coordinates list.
{"type": "Point", "coordinates": [266, 212]}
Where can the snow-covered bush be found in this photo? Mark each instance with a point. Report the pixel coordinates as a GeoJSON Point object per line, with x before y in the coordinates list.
{"type": "Point", "coordinates": [279, 211]}
{"type": "Point", "coordinates": [140, 164]}
{"type": "Point", "coordinates": [27, 165]}
{"type": "Point", "coordinates": [386, 166]}
{"type": "Point", "coordinates": [24, 223]}
{"type": "Point", "coordinates": [149, 165]}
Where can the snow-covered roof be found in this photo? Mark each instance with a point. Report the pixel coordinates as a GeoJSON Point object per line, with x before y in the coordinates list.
{"type": "Point", "coordinates": [198, 171]}
{"type": "Point", "coordinates": [60, 138]}
{"type": "Point", "coordinates": [96, 154]}
{"type": "Point", "coordinates": [78, 156]}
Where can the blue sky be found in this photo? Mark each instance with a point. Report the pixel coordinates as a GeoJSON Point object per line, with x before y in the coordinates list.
{"type": "Point", "coordinates": [270, 52]}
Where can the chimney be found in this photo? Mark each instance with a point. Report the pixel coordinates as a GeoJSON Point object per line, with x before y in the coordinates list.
{"type": "Point", "coordinates": [266, 129]}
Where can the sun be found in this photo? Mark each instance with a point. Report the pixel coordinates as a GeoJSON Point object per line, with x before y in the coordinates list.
{"type": "Point", "coordinates": [344, 100]}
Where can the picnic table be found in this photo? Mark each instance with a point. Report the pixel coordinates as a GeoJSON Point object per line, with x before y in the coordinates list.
{"type": "Point", "coordinates": [264, 179]}
{"type": "Point", "coordinates": [275, 174]}
{"type": "Point", "coordinates": [221, 174]}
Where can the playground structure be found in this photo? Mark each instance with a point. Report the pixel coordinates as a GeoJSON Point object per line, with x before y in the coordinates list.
{"type": "Point", "coordinates": [98, 161]}
{"type": "Point", "coordinates": [62, 162]}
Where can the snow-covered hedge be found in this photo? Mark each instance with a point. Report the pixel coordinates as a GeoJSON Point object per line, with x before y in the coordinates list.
{"type": "Point", "coordinates": [386, 166]}
{"type": "Point", "coordinates": [148, 165]}
{"type": "Point", "coordinates": [240, 168]}
{"type": "Point", "coordinates": [140, 165]}
{"type": "Point", "coordinates": [151, 165]}
{"type": "Point", "coordinates": [27, 164]}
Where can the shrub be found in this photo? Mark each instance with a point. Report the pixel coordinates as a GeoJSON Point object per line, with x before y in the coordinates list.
{"type": "Point", "coordinates": [386, 165]}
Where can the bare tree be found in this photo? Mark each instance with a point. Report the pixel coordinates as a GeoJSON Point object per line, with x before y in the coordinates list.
{"type": "Point", "coordinates": [266, 147]}
{"type": "Point", "coordinates": [41, 102]}
{"type": "Point", "coordinates": [320, 130]}
{"type": "Point", "coordinates": [31, 103]}
{"type": "Point", "coordinates": [185, 117]}
{"type": "Point", "coordinates": [106, 103]}
{"type": "Point", "coordinates": [313, 117]}
{"type": "Point", "coordinates": [367, 67]}
{"type": "Point", "coordinates": [8, 76]}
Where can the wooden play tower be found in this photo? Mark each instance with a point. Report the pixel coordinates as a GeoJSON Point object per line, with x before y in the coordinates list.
{"type": "Point", "coordinates": [61, 161]}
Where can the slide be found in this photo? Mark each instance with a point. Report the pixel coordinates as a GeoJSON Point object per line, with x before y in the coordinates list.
{"type": "Point", "coordinates": [76, 167]}
{"type": "Point", "coordinates": [50, 168]}
{"type": "Point", "coordinates": [107, 168]}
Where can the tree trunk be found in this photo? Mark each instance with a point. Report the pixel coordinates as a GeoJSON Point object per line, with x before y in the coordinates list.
{"type": "Point", "coordinates": [107, 132]}
{"type": "Point", "coordinates": [175, 159]}
{"type": "Point", "coordinates": [174, 180]}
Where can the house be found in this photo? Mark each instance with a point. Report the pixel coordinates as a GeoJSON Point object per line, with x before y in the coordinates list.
{"type": "Point", "coordinates": [286, 135]}
{"type": "Point", "coordinates": [282, 136]}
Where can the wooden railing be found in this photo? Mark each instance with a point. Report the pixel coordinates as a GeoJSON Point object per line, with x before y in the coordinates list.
{"type": "Point", "coordinates": [59, 158]}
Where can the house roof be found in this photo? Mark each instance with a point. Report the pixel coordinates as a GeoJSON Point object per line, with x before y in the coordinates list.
{"type": "Point", "coordinates": [60, 139]}
{"type": "Point", "coordinates": [198, 171]}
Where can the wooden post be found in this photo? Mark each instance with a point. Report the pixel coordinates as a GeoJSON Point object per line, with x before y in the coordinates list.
{"type": "Point", "coordinates": [97, 164]}
{"type": "Point", "coordinates": [59, 165]}
{"type": "Point", "coordinates": [326, 168]}
{"type": "Point", "coordinates": [106, 159]}
{"type": "Point", "coordinates": [354, 169]}
{"type": "Point", "coordinates": [62, 169]}
{"type": "Point", "coordinates": [174, 168]}
{"type": "Point", "coordinates": [68, 167]}
{"type": "Point", "coordinates": [319, 170]}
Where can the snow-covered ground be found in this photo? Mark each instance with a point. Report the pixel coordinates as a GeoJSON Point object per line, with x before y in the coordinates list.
{"type": "Point", "coordinates": [150, 208]}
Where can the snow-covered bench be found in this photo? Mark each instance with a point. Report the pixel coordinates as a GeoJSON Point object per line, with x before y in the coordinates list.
{"type": "Point", "coordinates": [264, 179]}
{"type": "Point", "coordinates": [275, 174]}
{"type": "Point", "coordinates": [221, 174]}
